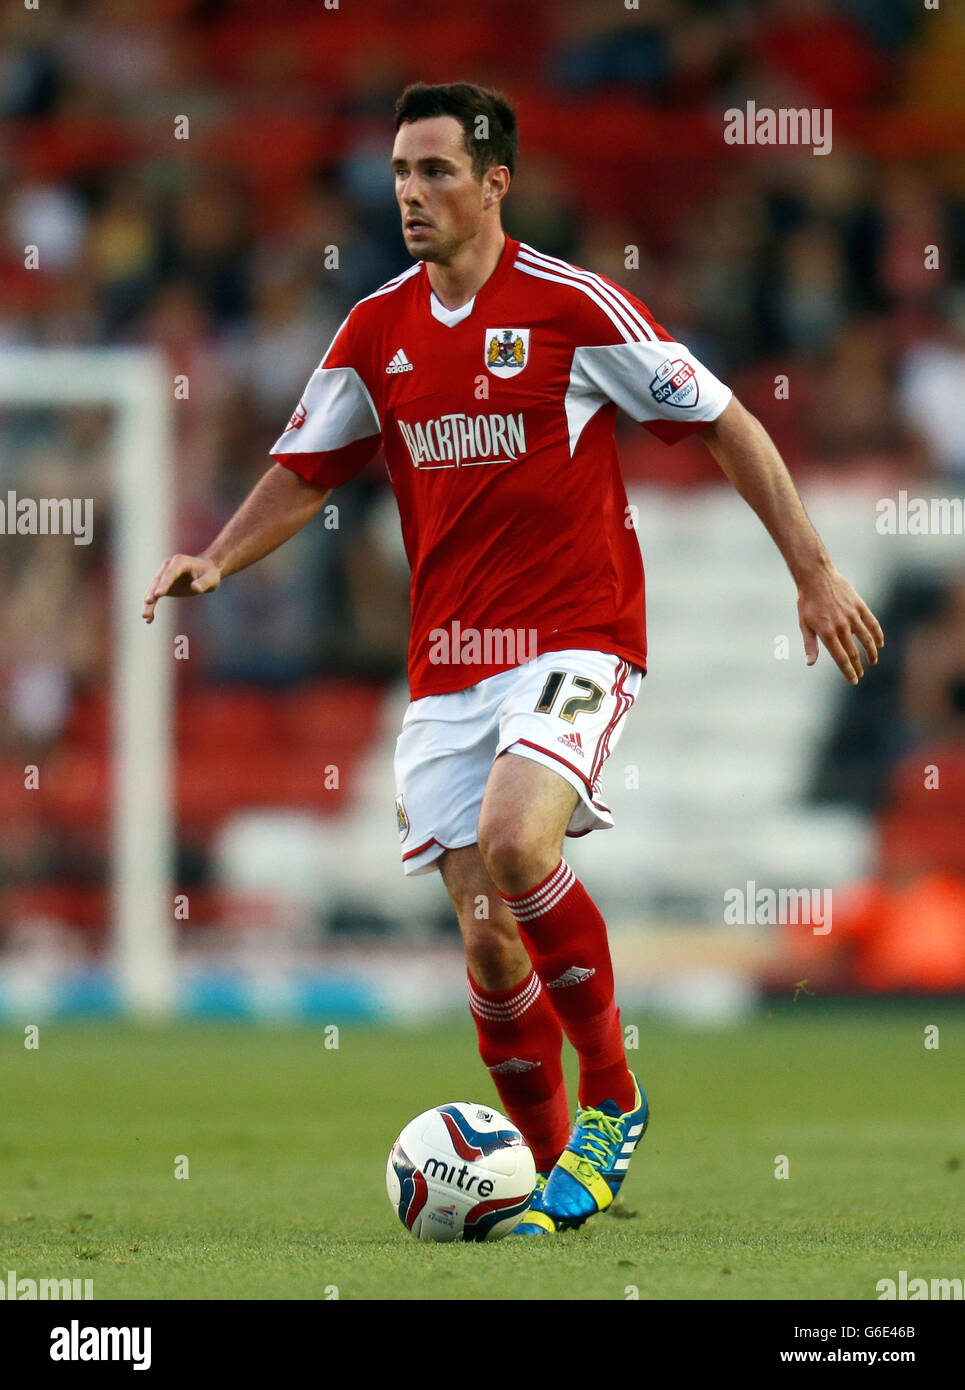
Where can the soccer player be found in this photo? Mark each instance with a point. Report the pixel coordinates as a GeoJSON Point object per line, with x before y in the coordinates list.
{"type": "Point", "coordinates": [491, 375]}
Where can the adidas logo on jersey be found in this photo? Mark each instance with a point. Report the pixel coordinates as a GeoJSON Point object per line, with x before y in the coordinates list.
{"type": "Point", "coordinates": [575, 975]}
{"type": "Point", "coordinates": [573, 742]}
{"type": "Point", "coordinates": [399, 363]}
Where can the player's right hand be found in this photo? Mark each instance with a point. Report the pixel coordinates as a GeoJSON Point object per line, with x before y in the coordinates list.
{"type": "Point", "coordinates": [182, 576]}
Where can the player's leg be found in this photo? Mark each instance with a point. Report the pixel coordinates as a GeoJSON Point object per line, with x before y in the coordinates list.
{"type": "Point", "coordinates": [495, 953]}
{"type": "Point", "coordinates": [525, 812]}
{"type": "Point", "coordinates": [443, 757]}
{"type": "Point", "coordinates": [567, 707]}
{"type": "Point", "coordinates": [520, 1039]}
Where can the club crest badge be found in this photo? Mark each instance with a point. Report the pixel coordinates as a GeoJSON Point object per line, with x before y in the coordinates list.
{"type": "Point", "coordinates": [507, 350]}
{"type": "Point", "coordinates": [402, 820]}
{"type": "Point", "coordinates": [675, 383]}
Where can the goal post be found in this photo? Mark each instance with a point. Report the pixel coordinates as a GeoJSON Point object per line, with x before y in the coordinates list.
{"type": "Point", "coordinates": [137, 386]}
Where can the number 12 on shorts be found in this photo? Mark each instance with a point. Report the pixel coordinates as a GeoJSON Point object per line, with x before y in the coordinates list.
{"type": "Point", "coordinates": [576, 704]}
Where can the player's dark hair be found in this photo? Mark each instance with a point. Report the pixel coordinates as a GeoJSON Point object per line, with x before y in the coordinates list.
{"type": "Point", "coordinates": [490, 141]}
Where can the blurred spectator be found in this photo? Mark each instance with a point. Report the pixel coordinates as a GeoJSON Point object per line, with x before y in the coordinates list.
{"type": "Point", "coordinates": [934, 676]}
{"type": "Point", "coordinates": [857, 415]}
{"type": "Point", "coordinates": [931, 394]}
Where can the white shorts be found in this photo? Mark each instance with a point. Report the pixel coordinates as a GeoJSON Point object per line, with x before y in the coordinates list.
{"type": "Point", "coordinates": [563, 709]}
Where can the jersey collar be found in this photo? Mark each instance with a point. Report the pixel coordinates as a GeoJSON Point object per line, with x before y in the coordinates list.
{"type": "Point", "coordinates": [450, 317]}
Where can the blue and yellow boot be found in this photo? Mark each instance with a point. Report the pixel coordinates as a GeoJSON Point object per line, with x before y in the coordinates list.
{"type": "Point", "coordinates": [591, 1168]}
{"type": "Point", "coordinates": [535, 1222]}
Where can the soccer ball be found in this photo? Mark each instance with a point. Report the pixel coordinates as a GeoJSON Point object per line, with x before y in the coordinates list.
{"type": "Point", "coordinates": [460, 1172]}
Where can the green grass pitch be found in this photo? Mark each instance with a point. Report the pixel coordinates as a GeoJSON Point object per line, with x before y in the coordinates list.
{"type": "Point", "coordinates": [287, 1142]}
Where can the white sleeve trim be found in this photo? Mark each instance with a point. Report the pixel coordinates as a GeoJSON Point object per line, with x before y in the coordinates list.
{"type": "Point", "coordinates": [649, 380]}
{"type": "Point", "coordinates": [335, 410]}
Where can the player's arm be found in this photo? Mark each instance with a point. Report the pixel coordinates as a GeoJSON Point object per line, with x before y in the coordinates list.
{"type": "Point", "coordinates": [279, 505]}
{"type": "Point", "coordinates": [828, 607]}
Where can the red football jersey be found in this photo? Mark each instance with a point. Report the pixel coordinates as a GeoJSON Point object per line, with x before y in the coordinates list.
{"type": "Point", "coordinates": [497, 424]}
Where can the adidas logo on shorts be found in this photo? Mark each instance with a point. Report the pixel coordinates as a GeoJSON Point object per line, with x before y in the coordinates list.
{"type": "Point", "coordinates": [573, 742]}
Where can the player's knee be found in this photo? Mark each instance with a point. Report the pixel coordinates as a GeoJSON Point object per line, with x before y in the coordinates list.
{"type": "Point", "coordinates": [517, 857]}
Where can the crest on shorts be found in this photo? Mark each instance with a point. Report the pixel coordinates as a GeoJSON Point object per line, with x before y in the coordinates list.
{"type": "Point", "coordinates": [507, 350]}
{"type": "Point", "coordinates": [675, 383]}
{"type": "Point", "coordinates": [402, 820]}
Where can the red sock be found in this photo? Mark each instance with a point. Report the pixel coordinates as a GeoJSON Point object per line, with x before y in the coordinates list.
{"type": "Point", "coordinates": [566, 939]}
{"type": "Point", "coordinates": [520, 1041]}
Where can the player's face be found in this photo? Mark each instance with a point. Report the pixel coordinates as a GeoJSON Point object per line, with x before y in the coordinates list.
{"type": "Point", "coordinates": [441, 202]}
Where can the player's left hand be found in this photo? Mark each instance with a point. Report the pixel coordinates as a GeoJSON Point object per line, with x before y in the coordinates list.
{"type": "Point", "coordinates": [829, 608]}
